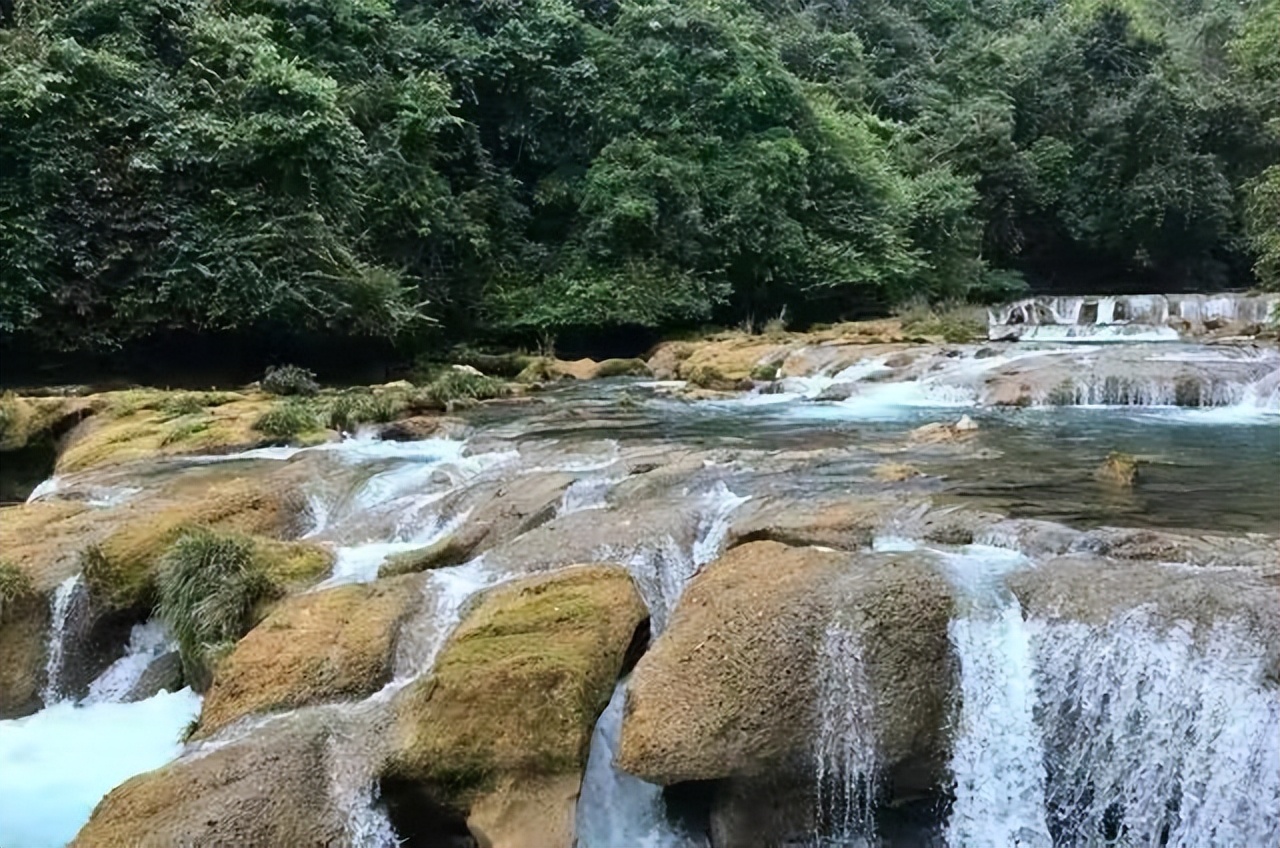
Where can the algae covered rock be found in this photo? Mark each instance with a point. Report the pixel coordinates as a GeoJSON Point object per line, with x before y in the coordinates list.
{"type": "Point", "coordinates": [24, 618]}
{"type": "Point", "coordinates": [731, 686]}
{"type": "Point", "coordinates": [270, 790]}
{"type": "Point", "coordinates": [312, 648]}
{"type": "Point", "coordinates": [500, 730]}
{"type": "Point", "coordinates": [120, 571]}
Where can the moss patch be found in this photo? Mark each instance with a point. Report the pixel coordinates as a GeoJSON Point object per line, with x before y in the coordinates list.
{"type": "Point", "coordinates": [313, 648]}
{"type": "Point", "coordinates": [143, 424]}
{"type": "Point", "coordinates": [120, 570]}
{"type": "Point", "coordinates": [517, 690]}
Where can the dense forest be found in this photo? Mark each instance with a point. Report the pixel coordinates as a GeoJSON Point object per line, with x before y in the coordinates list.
{"type": "Point", "coordinates": [512, 169]}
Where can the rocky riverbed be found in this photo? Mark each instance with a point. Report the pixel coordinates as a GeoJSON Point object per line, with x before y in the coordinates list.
{"type": "Point", "coordinates": [848, 588]}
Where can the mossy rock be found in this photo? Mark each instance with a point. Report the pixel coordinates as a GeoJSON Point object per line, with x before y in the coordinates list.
{"type": "Point", "coordinates": [28, 420]}
{"type": "Point", "coordinates": [622, 368]}
{"type": "Point", "coordinates": [312, 648]}
{"type": "Point", "coordinates": [1118, 469]}
{"type": "Point", "coordinates": [24, 620]}
{"type": "Point", "coordinates": [120, 570]}
{"type": "Point", "coordinates": [144, 424]}
{"type": "Point", "coordinates": [271, 790]}
{"type": "Point", "coordinates": [516, 692]}
{"type": "Point", "coordinates": [454, 549]}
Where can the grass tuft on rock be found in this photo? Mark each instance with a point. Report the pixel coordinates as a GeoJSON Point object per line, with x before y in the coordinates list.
{"type": "Point", "coordinates": [15, 585]}
{"type": "Point", "coordinates": [458, 385]}
{"type": "Point", "coordinates": [287, 420]}
{"type": "Point", "coordinates": [289, 380]}
{"type": "Point", "coordinates": [208, 586]}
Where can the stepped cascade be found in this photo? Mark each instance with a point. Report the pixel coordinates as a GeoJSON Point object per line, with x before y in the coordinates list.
{"type": "Point", "coordinates": [897, 594]}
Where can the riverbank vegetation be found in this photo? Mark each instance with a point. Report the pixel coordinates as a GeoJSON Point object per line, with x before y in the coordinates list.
{"type": "Point", "coordinates": [447, 171]}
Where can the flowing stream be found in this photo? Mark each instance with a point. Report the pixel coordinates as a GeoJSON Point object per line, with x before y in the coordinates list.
{"type": "Point", "coordinates": [1118, 732]}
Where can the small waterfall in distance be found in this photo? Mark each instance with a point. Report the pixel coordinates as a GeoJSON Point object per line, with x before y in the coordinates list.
{"type": "Point", "coordinates": [59, 612]}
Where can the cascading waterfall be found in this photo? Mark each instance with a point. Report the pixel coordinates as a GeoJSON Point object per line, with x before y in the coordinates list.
{"type": "Point", "coordinates": [147, 642]}
{"type": "Point", "coordinates": [662, 568]}
{"type": "Point", "coordinates": [59, 611]}
{"type": "Point", "coordinates": [845, 757]}
{"type": "Point", "coordinates": [1122, 318]}
{"type": "Point", "coordinates": [72, 753]}
{"type": "Point", "coordinates": [352, 781]}
{"type": "Point", "coordinates": [997, 759]}
{"type": "Point", "coordinates": [1158, 735]}
{"type": "Point", "coordinates": [616, 809]}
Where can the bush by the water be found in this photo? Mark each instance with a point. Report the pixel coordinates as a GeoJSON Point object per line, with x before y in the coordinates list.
{"type": "Point", "coordinates": [954, 322]}
{"type": "Point", "coordinates": [208, 586]}
{"type": "Point", "coordinates": [347, 411]}
{"type": "Point", "coordinates": [456, 384]}
{"type": "Point", "coordinates": [287, 420]}
{"type": "Point", "coordinates": [391, 170]}
{"type": "Point", "coordinates": [289, 380]}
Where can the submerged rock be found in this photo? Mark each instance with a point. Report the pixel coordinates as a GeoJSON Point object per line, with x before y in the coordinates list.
{"type": "Point", "coordinates": [1119, 469]}
{"type": "Point", "coordinates": [499, 732]}
{"type": "Point", "coordinates": [313, 648]}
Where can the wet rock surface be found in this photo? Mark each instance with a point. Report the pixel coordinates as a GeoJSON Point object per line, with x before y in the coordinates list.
{"type": "Point", "coordinates": [794, 545]}
{"type": "Point", "coordinates": [729, 688]}
{"type": "Point", "coordinates": [499, 731]}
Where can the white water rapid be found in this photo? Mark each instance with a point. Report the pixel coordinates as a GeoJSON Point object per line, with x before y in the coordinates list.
{"type": "Point", "coordinates": [616, 809]}
{"type": "Point", "coordinates": [997, 758]}
{"type": "Point", "coordinates": [845, 757]}
{"type": "Point", "coordinates": [55, 765]}
{"type": "Point", "coordinates": [1158, 735]}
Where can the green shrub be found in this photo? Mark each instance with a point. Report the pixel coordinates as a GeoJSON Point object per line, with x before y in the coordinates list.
{"type": "Point", "coordinates": [208, 586]}
{"type": "Point", "coordinates": [538, 370]}
{"type": "Point", "coordinates": [192, 403]}
{"type": "Point", "coordinates": [381, 408]}
{"type": "Point", "coordinates": [954, 322]}
{"type": "Point", "coordinates": [289, 380]}
{"type": "Point", "coordinates": [343, 413]}
{"type": "Point", "coordinates": [287, 420]}
{"type": "Point", "coordinates": [623, 368]}
{"type": "Point", "coordinates": [15, 585]}
{"type": "Point", "coordinates": [187, 403]}
{"type": "Point", "coordinates": [458, 385]}
{"type": "Point", "coordinates": [765, 372]}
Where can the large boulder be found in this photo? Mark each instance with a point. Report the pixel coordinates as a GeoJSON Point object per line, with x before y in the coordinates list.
{"type": "Point", "coordinates": [316, 647]}
{"type": "Point", "coordinates": [120, 570]}
{"type": "Point", "coordinates": [731, 689]}
{"type": "Point", "coordinates": [499, 731]}
{"type": "Point", "coordinates": [269, 790]}
{"type": "Point", "coordinates": [1098, 590]}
